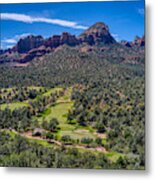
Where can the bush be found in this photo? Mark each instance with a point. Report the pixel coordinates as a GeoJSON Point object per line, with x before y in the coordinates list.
{"type": "Point", "coordinates": [86, 141]}
{"type": "Point", "coordinates": [49, 135]}
{"type": "Point", "coordinates": [52, 125]}
{"type": "Point", "coordinates": [98, 141]}
{"type": "Point", "coordinates": [66, 139]}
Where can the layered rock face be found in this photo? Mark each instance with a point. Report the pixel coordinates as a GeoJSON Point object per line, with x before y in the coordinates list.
{"type": "Point", "coordinates": [28, 43]}
{"type": "Point", "coordinates": [64, 38]}
{"type": "Point", "coordinates": [126, 43]}
{"type": "Point", "coordinates": [36, 46]}
{"type": "Point", "coordinates": [68, 39]}
{"type": "Point", "coordinates": [97, 34]}
{"type": "Point", "coordinates": [35, 52]}
{"type": "Point", "coordinates": [139, 41]}
{"type": "Point", "coordinates": [53, 41]}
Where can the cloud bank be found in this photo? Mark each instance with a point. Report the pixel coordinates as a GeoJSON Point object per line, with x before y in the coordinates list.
{"type": "Point", "coordinates": [30, 19]}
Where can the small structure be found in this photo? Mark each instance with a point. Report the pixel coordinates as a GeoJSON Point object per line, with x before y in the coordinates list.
{"type": "Point", "coordinates": [38, 132]}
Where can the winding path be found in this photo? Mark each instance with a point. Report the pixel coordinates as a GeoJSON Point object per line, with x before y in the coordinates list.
{"type": "Point", "coordinates": [28, 135]}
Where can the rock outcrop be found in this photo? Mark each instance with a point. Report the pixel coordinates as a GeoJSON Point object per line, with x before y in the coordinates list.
{"type": "Point", "coordinates": [31, 46]}
{"type": "Point", "coordinates": [126, 43]}
{"type": "Point", "coordinates": [28, 43]}
{"type": "Point", "coordinates": [64, 38]}
{"type": "Point", "coordinates": [139, 41]}
{"type": "Point", "coordinates": [36, 52]}
{"type": "Point", "coordinates": [97, 34]}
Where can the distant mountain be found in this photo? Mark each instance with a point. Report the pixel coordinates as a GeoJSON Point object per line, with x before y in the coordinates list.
{"type": "Point", "coordinates": [98, 35]}
{"type": "Point", "coordinates": [137, 42]}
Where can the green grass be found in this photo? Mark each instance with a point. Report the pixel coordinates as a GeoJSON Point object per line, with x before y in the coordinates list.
{"type": "Point", "coordinates": [17, 105]}
{"type": "Point", "coordinates": [77, 134]}
{"type": "Point", "coordinates": [60, 111]}
{"type": "Point", "coordinates": [7, 89]}
{"type": "Point", "coordinates": [14, 105]}
{"type": "Point", "coordinates": [37, 88]}
{"type": "Point", "coordinates": [42, 142]}
{"type": "Point", "coordinates": [104, 141]}
{"type": "Point", "coordinates": [53, 90]}
{"type": "Point", "coordinates": [11, 133]}
{"type": "Point", "coordinates": [114, 156]}
{"type": "Point", "coordinates": [46, 112]}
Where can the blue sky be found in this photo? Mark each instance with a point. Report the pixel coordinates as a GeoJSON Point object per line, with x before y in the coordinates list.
{"type": "Point", "coordinates": [125, 19]}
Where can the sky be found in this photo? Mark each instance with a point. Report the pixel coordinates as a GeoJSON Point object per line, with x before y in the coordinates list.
{"type": "Point", "coordinates": [125, 19]}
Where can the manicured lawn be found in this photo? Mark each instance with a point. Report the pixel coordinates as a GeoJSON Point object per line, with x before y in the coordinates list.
{"type": "Point", "coordinates": [60, 111]}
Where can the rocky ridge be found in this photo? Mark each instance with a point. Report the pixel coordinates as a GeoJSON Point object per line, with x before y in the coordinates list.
{"type": "Point", "coordinates": [29, 47]}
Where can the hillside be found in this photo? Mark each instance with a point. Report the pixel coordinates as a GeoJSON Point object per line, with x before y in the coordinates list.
{"type": "Point", "coordinates": [73, 102]}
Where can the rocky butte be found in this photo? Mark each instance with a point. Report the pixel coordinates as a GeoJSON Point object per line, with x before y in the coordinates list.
{"type": "Point", "coordinates": [35, 46]}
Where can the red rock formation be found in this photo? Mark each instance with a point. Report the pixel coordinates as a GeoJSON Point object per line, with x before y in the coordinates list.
{"type": "Point", "coordinates": [126, 43]}
{"type": "Point", "coordinates": [139, 41]}
{"type": "Point", "coordinates": [53, 41]}
{"type": "Point", "coordinates": [36, 52]}
{"type": "Point", "coordinates": [36, 46]}
{"type": "Point", "coordinates": [68, 39]}
{"type": "Point", "coordinates": [28, 43]}
{"type": "Point", "coordinates": [97, 34]}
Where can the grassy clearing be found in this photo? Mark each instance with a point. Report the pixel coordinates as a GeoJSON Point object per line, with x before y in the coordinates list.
{"type": "Point", "coordinates": [53, 90]}
{"type": "Point", "coordinates": [77, 134]}
{"type": "Point", "coordinates": [60, 111]}
{"type": "Point", "coordinates": [7, 90]}
{"type": "Point", "coordinates": [42, 142]}
{"type": "Point", "coordinates": [17, 105]}
{"type": "Point", "coordinates": [37, 88]}
{"type": "Point", "coordinates": [114, 156]}
{"type": "Point", "coordinates": [66, 97]}
{"type": "Point", "coordinates": [14, 105]}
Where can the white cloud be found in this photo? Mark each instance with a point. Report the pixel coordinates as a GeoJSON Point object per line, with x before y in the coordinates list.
{"type": "Point", "coordinates": [116, 36]}
{"type": "Point", "coordinates": [9, 42]}
{"type": "Point", "coordinates": [30, 19]}
{"type": "Point", "coordinates": [141, 11]}
{"type": "Point", "coordinates": [15, 38]}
